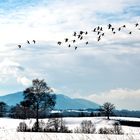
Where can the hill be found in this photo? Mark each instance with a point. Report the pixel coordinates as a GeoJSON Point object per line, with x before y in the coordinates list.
{"type": "Point", "coordinates": [62, 102]}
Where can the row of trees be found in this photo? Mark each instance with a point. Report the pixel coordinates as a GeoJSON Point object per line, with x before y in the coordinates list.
{"type": "Point", "coordinates": [59, 125]}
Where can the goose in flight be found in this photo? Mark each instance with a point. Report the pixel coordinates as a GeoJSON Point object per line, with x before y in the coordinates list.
{"type": "Point", "coordinates": [99, 38]}
{"type": "Point", "coordinates": [113, 29]}
{"type": "Point", "coordinates": [119, 28]}
{"type": "Point", "coordinates": [74, 34]}
{"type": "Point", "coordinates": [59, 43]}
{"type": "Point", "coordinates": [81, 38]}
{"type": "Point", "coordinates": [136, 24]}
{"type": "Point", "coordinates": [34, 41]}
{"type": "Point", "coordinates": [109, 26]}
{"type": "Point", "coordinates": [124, 26]}
{"type": "Point", "coordinates": [19, 46]}
{"type": "Point", "coordinates": [74, 41]}
{"type": "Point", "coordinates": [86, 33]}
{"type": "Point", "coordinates": [66, 39]}
{"type": "Point", "coordinates": [94, 30]}
{"type": "Point", "coordinates": [81, 32]}
{"type": "Point", "coordinates": [101, 29]}
{"type": "Point", "coordinates": [75, 48]}
{"type": "Point", "coordinates": [103, 34]}
{"type": "Point", "coordinates": [28, 41]}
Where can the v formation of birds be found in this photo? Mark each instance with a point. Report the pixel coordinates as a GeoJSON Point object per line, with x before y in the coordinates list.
{"type": "Point", "coordinates": [99, 31]}
{"type": "Point", "coordinates": [80, 36]}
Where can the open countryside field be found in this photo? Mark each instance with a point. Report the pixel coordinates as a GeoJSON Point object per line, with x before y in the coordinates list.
{"type": "Point", "coordinates": [8, 131]}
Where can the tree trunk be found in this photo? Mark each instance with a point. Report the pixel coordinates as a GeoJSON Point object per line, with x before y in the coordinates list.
{"type": "Point", "coordinates": [108, 116]}
{"type": "Point", "coordinates": [37, 117]}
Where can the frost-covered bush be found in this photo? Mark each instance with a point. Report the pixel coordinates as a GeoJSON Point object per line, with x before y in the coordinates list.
{"type": "Point", "coordinates": [56, 125]}
{"type": "Point", "coordinates": [22, 127]}
{"type": "Point", "coordinates": [106, 131]}
{"type": "Point", "coordinates": [117, 129]}
{"type": "Point", "coordinates": [85, 127]}
{"type": "Point", "coordinates": [41, 126]}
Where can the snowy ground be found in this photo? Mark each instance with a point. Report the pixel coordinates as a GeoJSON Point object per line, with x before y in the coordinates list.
{"type": "Point", "coordinates": [8, 130]}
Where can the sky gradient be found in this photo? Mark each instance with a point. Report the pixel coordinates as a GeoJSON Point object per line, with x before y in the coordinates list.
{"type": "Point", "coordinates": [108, 70]}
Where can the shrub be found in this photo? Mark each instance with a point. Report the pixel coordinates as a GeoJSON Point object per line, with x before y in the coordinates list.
{"type": "Point", "coordinates": [22, 127]}
{"type": "Point", "coordinates": [85, 127]}
{"type": "Point", "coordinates": [117, 128]}
{"type": "Point", "coordinates": [40, 127]}
{"type": "Point", "coordinates": [105, 130]}
{"type": "Point", "coordinates": [56, 125]}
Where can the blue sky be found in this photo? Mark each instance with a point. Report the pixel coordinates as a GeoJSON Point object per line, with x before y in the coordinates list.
{"type": "Point", "coordinates": [102, 71]}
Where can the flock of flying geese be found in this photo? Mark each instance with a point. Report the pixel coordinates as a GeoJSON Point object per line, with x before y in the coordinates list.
{"type": "Point", "coordinates": [78, 36]}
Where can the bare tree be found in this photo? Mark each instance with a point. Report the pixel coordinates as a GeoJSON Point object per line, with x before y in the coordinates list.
{"type": "Point", "coordinates": [39, 98]}
{"type": "Point", "coordinates": [57, 125]}
{"type": "Point", "coordinates": [107, 109]}
{"type": "Point", "coordinates": [85, 127]}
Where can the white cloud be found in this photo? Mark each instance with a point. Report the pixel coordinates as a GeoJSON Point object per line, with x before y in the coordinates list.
{"type": "Point", "coordinates": [8, 66]}
{"type": "Point", "coordinates": [24, 81]}
{"type": "Point", "coordinates": [122, 98]}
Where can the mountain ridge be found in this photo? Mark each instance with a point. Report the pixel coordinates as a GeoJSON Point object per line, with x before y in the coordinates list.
{"type": "Point", "coordinates": [62, 101]}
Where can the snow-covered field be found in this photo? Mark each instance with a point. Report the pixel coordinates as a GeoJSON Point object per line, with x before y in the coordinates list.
{"type": "Point", "coordinates": [8, 130]}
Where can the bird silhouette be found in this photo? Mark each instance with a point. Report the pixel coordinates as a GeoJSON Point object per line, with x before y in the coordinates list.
{"type": "Point", "coordinates": [98, 28]}
{"type": "Point", "coordinates": [136, 24]}
{"type": "Point", "coordinates": [66, 39]}
{"type": "Point", "coordinates": [81, 38]}
{"type": "Point", "coordinates": [98, 32]}
{"type": "Point", "coordinates": [101, 29]}
{"type": "Point", "coordinates": [74, 34]}
{"type": "Point", "coordinates": [99, 38]}
{"type": "Point", "coordinates": [86, 33]}
{"type": "Point", "coordinates": [124, 26]}
{"type": "Point", "coordinates": [94, 30]}
{"type": "Point", "coordinates": [59, 42]}
{"type": "Point", "coordinates": [34, 41]}
{"type": "Point", "coordinates": [130, 32]}
{"type": "Point", "coordinates": [69, 45]}
{"type": "Point", "coordinates": [19, 46]}
{"type": "Point", "coordinates": [109, 26]}
{"type": "Point", "coordinates": [28, 41]}
{"type": "Point", "coordinates": [74, 41]}
{"type": "Point", "coordinates": [112, 29]}
{"type": "Point", "coordinates": [75, 47]}
{"type": "Point", "coordinates": [119, 28]}
{"type": "Point", "coordinates": [103, 34]}
{"type": "Point", "coordinates": [86, 42]}
{"type": "Point", "coordinates": [81, 32]}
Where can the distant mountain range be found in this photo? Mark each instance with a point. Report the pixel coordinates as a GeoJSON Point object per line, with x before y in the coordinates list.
{"type": "Point", "coordinates": [62, 102]}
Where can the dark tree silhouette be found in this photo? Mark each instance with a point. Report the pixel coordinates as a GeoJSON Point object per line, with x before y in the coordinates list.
{"type": "Point", "coordinates": [107, 109]}
{"type": "Point", "coordinates": [39, 98]}
{"type": "Point", "coordinates": [2, 108]}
